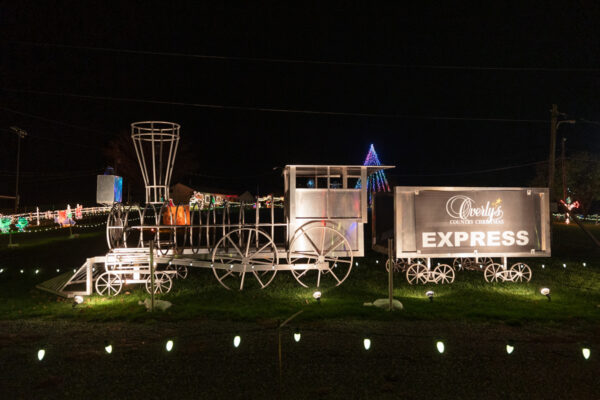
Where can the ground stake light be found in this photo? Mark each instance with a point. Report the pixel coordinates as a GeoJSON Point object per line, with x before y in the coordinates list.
{"type": "Point", "coordinates": [509, 348]}
{"type": "Point", "coordinates": [317, 296]}
{"type": "Point", "coordinates": [440, 347]}
{"type": "Point", "coordinates": [546, 292]}
{"type": "Point", "coordinates": [586, 352]}
{"type": "Point", "coordinates": [430, 294]}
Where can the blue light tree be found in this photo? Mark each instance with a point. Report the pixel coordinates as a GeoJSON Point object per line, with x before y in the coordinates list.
{"type": "Point", "coordinates": [377, 182]}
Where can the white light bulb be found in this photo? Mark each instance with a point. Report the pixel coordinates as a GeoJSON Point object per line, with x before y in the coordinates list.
{"type": "Point", "coordinates": [367, 343]}
{"type": "Point", "coordinates": [376, 261]}
{"type": "Point", "coordinates": [169, 345]}
{"type": "Point", "coordinates": [440, 347]}
{"type": "Point", "coordinates": [40, 354]}
{"type": "Point", "coordinates": [509, 349]}
{"type": "Point", "coordinates": [586, 352]}
{"type": "Point", "coordinates": [108, 348]}
{"type": "Point", "coordinates": [236, 341]}
{"type": "Point", "coordinates": [297, 336]}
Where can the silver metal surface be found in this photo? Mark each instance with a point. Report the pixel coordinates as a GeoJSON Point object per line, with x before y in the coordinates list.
{"type": "Point", "coordinates": [405, 222]}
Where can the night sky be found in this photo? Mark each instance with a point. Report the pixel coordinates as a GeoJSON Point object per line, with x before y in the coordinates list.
{"type": "Point", "coordinates": [438, 91]}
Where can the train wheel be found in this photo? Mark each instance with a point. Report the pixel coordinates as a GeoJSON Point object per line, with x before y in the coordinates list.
{"type": "Point", "coordinates": [162, 283]}
{"type": "Point", "coordinates": [520, 272]}
{"type": "Point", "coordinates": [318, 251]}
{"type": "Point", "coordinates": [494, 272]}
{"type": "Point", "coordinates": [108, 284]}
{"type": "Point", "coordinates": [417, 274]}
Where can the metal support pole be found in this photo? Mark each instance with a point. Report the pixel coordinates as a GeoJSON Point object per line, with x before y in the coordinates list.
{"type": "Point", "coordinates": [562, 165]}
{"type": "Point", "coordinates": [152, 275]}
{"type": "Point", "coordinates": [17, 183]}
{"type": "Point", "coordinates": [391, 273]}
{"type": "Point", "coordinates": [88, 277]}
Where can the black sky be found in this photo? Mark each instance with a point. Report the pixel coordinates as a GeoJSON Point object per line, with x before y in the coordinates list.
{"type": "Point", "coordinates": [386, 58]}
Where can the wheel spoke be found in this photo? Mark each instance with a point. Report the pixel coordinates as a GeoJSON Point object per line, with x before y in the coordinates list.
{"type": "Point", "coordinates": [332, 248]}
{"type": "Point", "coordinates": [235, 246]}
{"type": "Point", "coordinates": [255, 254]}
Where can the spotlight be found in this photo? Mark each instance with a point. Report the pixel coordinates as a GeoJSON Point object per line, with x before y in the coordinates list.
{"type": "Point", "coordinates": [509, 348]}
{"type": "Point", "coordinates": [297, 335]}
{"type": "Point", "coordinates": [430, 294]}
{"type": "Point", "coordinates": [317, 296]}
{"type": "Point", "coordinates": [236, 341]}
{"type": "Point", "coordinates": [77, 300]}
{"type": "Point", "coordinates": [546, 292]}
{"type": "Point", "coordinates": [169, 345]}
{"type": "Point", "coordinates": [367, 343]}
{"type": "Point", "coordinates": [440, 346]}
{"type": "Point", "coordinates": [40, 354]}
{"type": "Point", "coordinates": [586, 352]}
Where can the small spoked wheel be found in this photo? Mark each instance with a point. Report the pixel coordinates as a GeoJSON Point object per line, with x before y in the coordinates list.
{"type": "Point", "coordinates": [520, 272]}
{"type": "Point", "coordinates": [109, 284]}
{"type": "Point", "coordinates": [417, 274]}
{"type": "Point", "coordinates": [482, 262]}
{"type": "Point", "coordinates": [461, 263]}
{"type": "Point", "coordinates": [241, 251]}
{"type": "Point", "coordinates": [162, 283]}
{"type": "Point", "coordinates": [319, 251]}
{"type": "Point", "coordinates": [396, 266]}
{"type": "Point", "coordinates": [182, 271]}
{"type": "Point", "coordinates": [494, 272]}
{"type": "Point", "coordinates": [444, 274]}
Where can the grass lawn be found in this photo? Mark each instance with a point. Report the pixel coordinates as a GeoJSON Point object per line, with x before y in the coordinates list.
{"type": "Point", "coordinates": [575, 290]}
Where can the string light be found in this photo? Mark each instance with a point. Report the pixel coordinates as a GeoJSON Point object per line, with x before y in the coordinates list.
{"type": "Point", "coordinates": [376, 182]}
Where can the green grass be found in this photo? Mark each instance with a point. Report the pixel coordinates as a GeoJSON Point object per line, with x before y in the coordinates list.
{"type": "Point", "coordinates": [575, 290]}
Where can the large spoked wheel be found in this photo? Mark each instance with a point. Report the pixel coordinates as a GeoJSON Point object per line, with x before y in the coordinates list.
{"type": "Point", "coordinates": [116, 226]}
{"type": "Point", "coordinates": [162, 283]}
{"type": "Point", "coordinates": [242, 251]}
{"type": "Point", "coordinates": [182, 271]}
{"type": "Point", "coordinates": [444, 274]}
{"type": "Point", "coordinates": [494, 272]}
{"type": "Point", "coordinates": [417, 274]}
{"type": "Point", "coordinates": [520, 272]}
{"type": "Point", "coordinates": [318, 251]}
{"type": "Point", "coordinates": [109, 284]}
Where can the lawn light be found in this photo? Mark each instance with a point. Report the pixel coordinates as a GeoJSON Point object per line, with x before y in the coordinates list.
{"type": "Point", "coordinates": [236, 341]}
{"type": "Point", "coordinates": [317, 296]}
{"type": "Point", "coordinates": [367, 343]}
{"type": "Point", "coordinates": [57, 269]}
{"type": "Point", "coordinates": [543, 266]}
{"type": "Point", "coordinates": [77, 300]}
{"type": "Point", "coordinates": [584, 264]}
{"type": "Point", "coordinates": [1, 270]}
{"type": "Point", "coordinates": [21, 271]}
{"type": "Point", "coordinates": [586, 352]}
{"type": "Point", "coordinates": [546, 292]}
{"type": "Point", "coordinates": [430, 294]}
{"type": "Point", "coordinates": [564, 265]}
{"type": "Point", "coordinates": [376, 261]}
{"type": "Point", "coordinates": [108, 347]}
{"type": "Point", "coordinates": [297, 335]}
{"type": "Point", "coordinates": [440, 346]}
{"type": "Point", "coordinates": [509, 348]}
{"type": "Point", "coordinates": [169, 345]}
{"type": "Point", "coordinates": [40, 354]}
{"type": "Point", "coordinates": [356, 263]}
{"type": "Point", "coordinates": [37, 271]}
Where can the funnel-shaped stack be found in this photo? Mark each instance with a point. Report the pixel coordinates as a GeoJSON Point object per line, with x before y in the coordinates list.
{"type": "Point", "coordinates": [155, 144]}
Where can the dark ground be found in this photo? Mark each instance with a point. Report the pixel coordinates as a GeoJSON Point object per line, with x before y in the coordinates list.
{"type": "Point", "coordinates": [328, 363]}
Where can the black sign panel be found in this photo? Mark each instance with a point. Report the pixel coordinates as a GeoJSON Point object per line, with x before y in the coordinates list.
{"type": "Point", "coordinates": [489, 221]}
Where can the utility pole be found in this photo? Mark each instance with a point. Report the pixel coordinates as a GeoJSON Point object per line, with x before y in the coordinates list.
{"type": "Point", "coordinates": [21, 134]}
{"type": "Point", "coordinates": [551, 160]}
{"type": "Point", "coordinates": [564, 174]}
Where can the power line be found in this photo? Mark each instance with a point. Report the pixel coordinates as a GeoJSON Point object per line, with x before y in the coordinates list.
{"type": "Point", "coordinates": [307, 61]}
{"type": "Point", "coordinates": [473, 172]}
{"type": "Point", "coordinates": [52, 120]}
{"type": "Point", "coordinates": [276, 110]}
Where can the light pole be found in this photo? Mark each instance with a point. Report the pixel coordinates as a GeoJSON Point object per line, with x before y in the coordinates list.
{"type": "Point", "coordinates": [21, 134]}
{"type": "Point", "coordinates": [554, 124]}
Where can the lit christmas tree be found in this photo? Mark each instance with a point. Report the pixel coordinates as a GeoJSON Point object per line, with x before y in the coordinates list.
{"type": "Point", "coordinates": [376, 182]}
